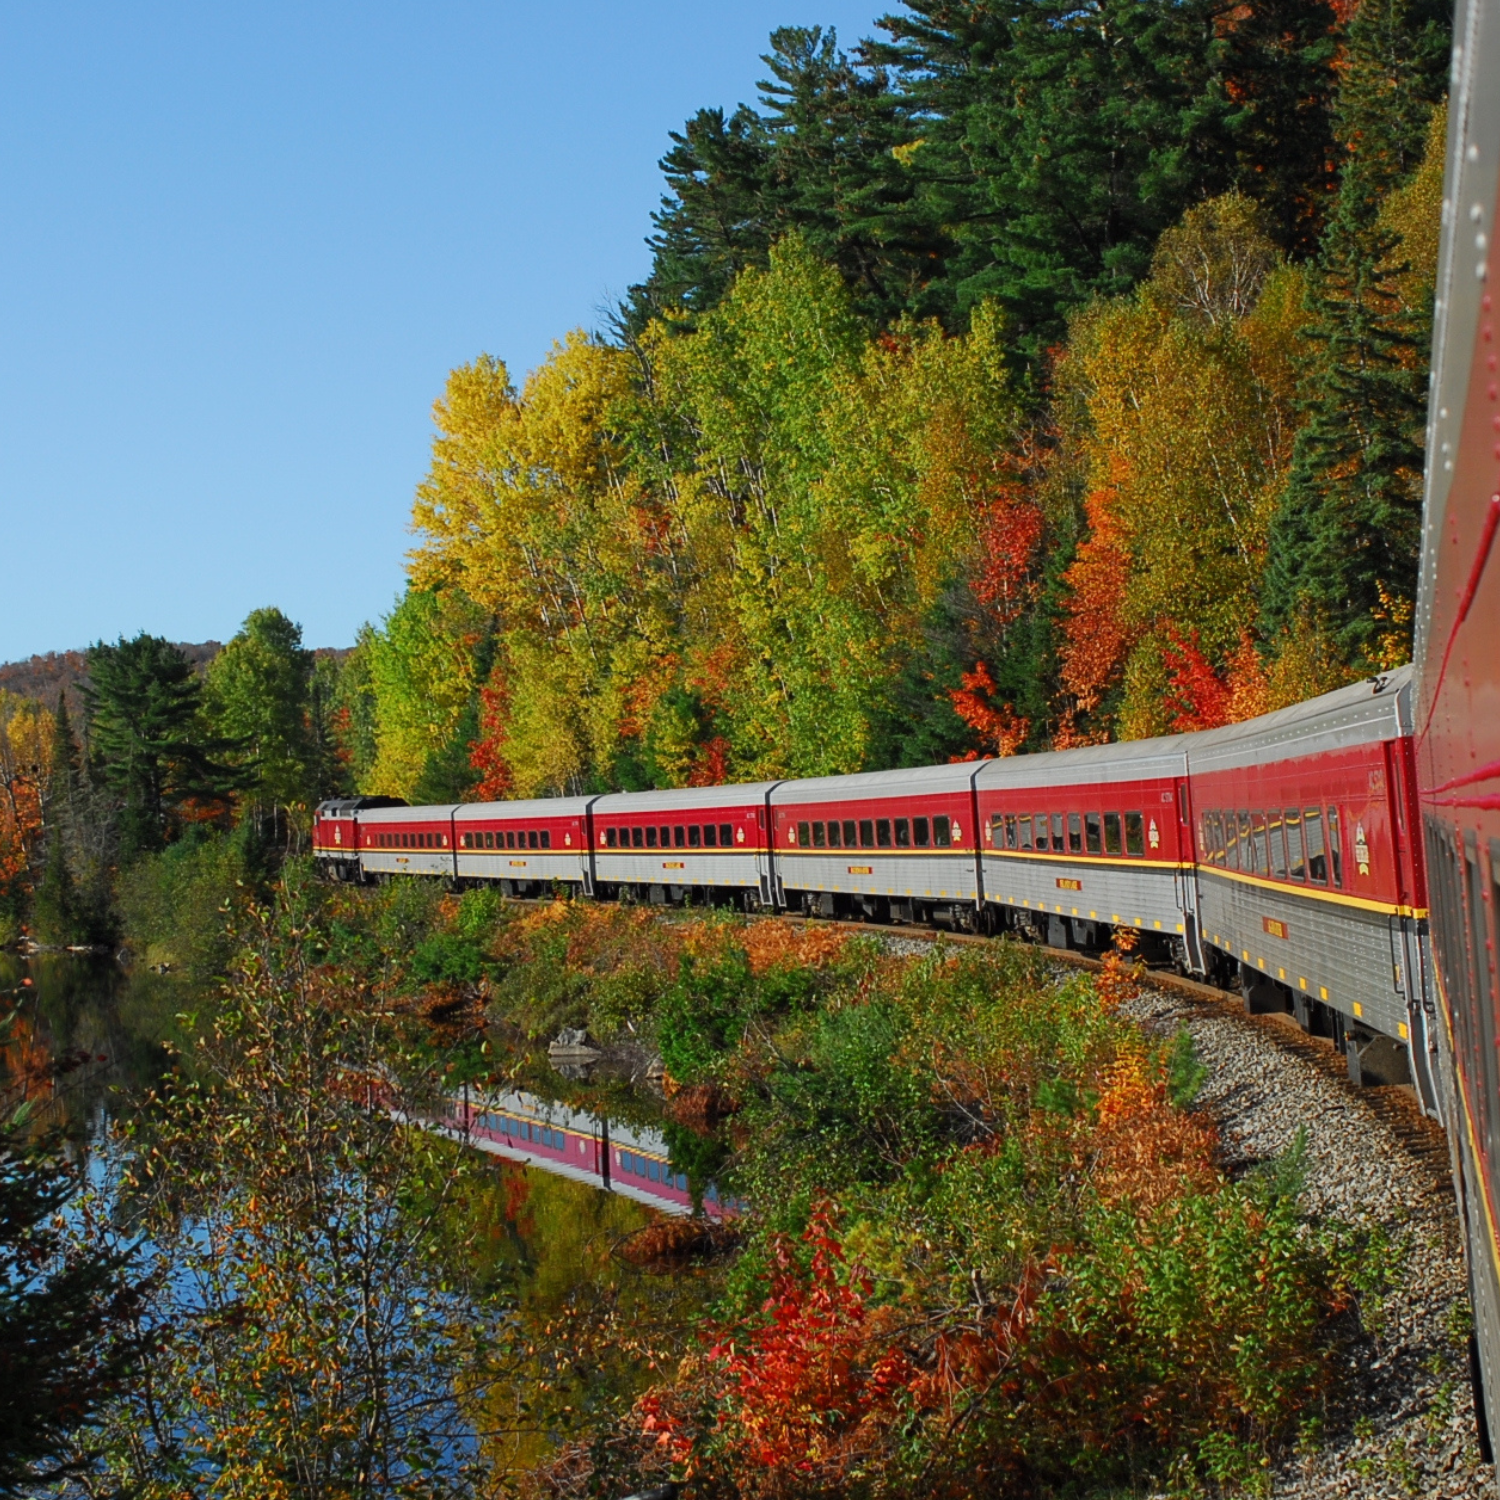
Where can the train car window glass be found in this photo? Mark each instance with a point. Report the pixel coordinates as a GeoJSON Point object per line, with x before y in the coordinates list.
{"type": "Point", "coordinates": [611, 838]}
{"type": "Point", "coordinates": [942, 831]}
{"type": "Point", "coordinates": [820, 836]}
{"type": "Point", "coordinates": [1482, 990]}
{"type": "Point", "coordinates": [1260, 856]}
{"type": "Point", "coordinates": [1247, 845]}
{"type": "Point", "coordinates": [1112, 843]}
{"type": "Point", "coordinates": [637, 838]}
{"type": "Point", "coordinates": [1231, 842]}
{"type": "Point", "coordinates": [1024, 829]}
{"type": "Point", "coordinates": [1135, 837]}
{"type": "Point", "coordinates": [710, 835]}
{"type": "Point", "coordinates": [531, 838]}
{"type": "Point", "coordinates": [1296, 855]}
{"type": "Point", "coordinates": [1312, 842]}
{"type": "Point", "coordinates": [804, 835]}
{"type": "Point", "coordinates": [883, 833]}
{"type": "Point", "coordinates": [651, 838]}
{"type": "Point", "coordinates": [919, 834]}
{"type": "Point", "coordinates": [1215, 824]}
{"type": "Point", "coordinates": [406, 841]}
{"type": "Point", "coordinates": [1075, 834]}
{"type": "Point", "coordinates": [1010, 831]}
{"type": "Point", "coordinates": [726, 834]}
{"type": "Point", "coordinates": [546, 838]}
{"type": "Point", "coordinates": [1057, 833]}
{"type": "Point", "coordinates": [1041, 825]}
{"type": "Point", "coordinates": [1093, 833]}
{"type": "Point", "coordinates": [903, 834]}
{"type": "Point", "coordinates": [1278, 846]}
{"type": "Point", "coordinates": [429, 841]}
{"type": "Point", "coordinates": [695, 835]}
{"type": "Point", "coordinates": [1335, 849]}
{"type": "Point", "coordinates": [679, 836]}
{"type": "Point", "coordinates": [866, 834]}
{"type": "Point", "coordinates": [833, 833]}
{"type": "Point", "coordinates": [665, 833]}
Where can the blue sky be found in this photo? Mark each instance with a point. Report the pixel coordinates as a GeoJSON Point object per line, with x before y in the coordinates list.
{"type": "Point", "coordinates": [242, 245]}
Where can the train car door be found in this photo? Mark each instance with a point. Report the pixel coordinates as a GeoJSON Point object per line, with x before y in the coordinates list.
{"type": "Point", "coordinates": [1185, 880]}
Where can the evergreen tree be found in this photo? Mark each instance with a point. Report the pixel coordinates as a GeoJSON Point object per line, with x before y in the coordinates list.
{"type": "Point", "coordinates": [1346, 535]}
{"type": "Point", "coordinates": [146, 737]}
{"type": "Point", "coordinates": [67, 1311]}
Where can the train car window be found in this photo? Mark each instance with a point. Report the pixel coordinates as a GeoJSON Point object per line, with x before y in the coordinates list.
{"type": "Point", "coordinates": [1261, 844]}
{"type": "Point", "coordinates": [919, 833]}
{"type": "Point", "coordinates": [1040, 824]}
{"type": "Point", "coordinates": [611, 838]}
{"type": "Point", "coordinates": [833, 833]}
{"type": "Point", "coordinates": [1112, 844]}
{"type": "Point", "coordinates": [883, 833]}
{"type": "Point", "coordinates": [903, 834]}
{"type": "Point", "coordinates": [1482, 988]}
{"type": "Point", "coordinates": [463, 841]}
{"type": "Point", "coordinates": [1057, 833]}
{"type": "Point", "coordinates": [942, 831]}
{"type": "Point", "coordinates": [666, 836]}
{"type": "Point", "coordinates": [1075, 834]}
{"type": "Point", "coordinates": [1247, 845]}
{"type": "Point", "coordinates": [651, 838]}
{"type": "Point", "coordinates": [1296, 855]}
{"type": "Point", "coordinates": [1024, 827]}
{"type": "Point", "coordinates": [1312, 841]}
{"type": "Point", "coordinates": [710, 835]}
{"type": "Point", "coordinates": [866, 834]}
{"type": "Point", "coordinates": [531, 838]}
{"type": "Point", "coordinates": [695, 835]}
{"type": "Point", "coordinates": [820, 836]}
{"type": "Point", "coordinates": [1010, 831]}
{"type": "Point", "coordinates": [637, 838]}
{"type": "Point", "coordinates": [850, 837]}
{"type": "Point", "coordinates": [1135, 837]}
{"type": "Point", "coordinates": [679, 836]}
{"type": "Point", "coordinates": [1278, 846]}
{"type": "Point", "coordinates": [1335, 849]}
{"type": "Point", "coordinates": [804, 835]}
{"type": "Point", "coordinates": [1093, 833]}
{"type": "Point", "coordinates": [546, 838]}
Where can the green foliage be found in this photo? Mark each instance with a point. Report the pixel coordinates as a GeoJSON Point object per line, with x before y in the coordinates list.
{"type": "Point", "coordinates": [447, 958]}
{"type": "Point", "coordinates": [1186, 1073]}
{"type": "Point", "coordinates": [146, 736]}
{"type": "Point", "coordinates": [175, 904]}
{"type": "Point", "coordinates": [702, 1015]}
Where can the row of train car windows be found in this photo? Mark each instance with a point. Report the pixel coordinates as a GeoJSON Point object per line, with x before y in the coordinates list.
{"type": "Point", "coordinates": [1287, 844]}
{"type": "Point", "coordinates": [1071, 833]}
{"type": "Point", "coordinates": [682, 836]}
{"type": "Point", "coordinates": [652, 1170]}
{"type": "Point", "coordinates": [410, 841]}
{"type": "Point", "coordinates": [876, 833]}
{"type": "Point", "coordinates": [523, 1130]}
{"type": "Point", "coordinates": [1464, 948]}
{"type": "Point", "coordinates": [509, 838]}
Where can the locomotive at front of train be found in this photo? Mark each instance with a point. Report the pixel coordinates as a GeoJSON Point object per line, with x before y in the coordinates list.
{"type": "Point", "coordinates": [1457, 700]}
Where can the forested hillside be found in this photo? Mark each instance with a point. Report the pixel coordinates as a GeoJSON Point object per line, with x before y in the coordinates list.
{"type": "Point", "coordinates": [1026, 376]}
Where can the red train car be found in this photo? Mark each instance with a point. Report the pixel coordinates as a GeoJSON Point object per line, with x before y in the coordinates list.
{"type": "Point", "coordinates": [529, 848]}
{"type": "Point", "coordinates": [1457, 709]}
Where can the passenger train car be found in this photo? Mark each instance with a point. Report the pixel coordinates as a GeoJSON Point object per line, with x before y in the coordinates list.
{"type": "Point", "coordinates": [1456, 710]}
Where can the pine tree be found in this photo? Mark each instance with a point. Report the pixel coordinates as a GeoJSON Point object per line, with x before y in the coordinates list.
{"type": "Point", "coordinates": [1345, 538]}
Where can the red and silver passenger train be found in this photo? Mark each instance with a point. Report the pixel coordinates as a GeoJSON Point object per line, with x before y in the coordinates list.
{"type": "Point", "coordinates": [1279, 854]}
{"type": "Point", "coordinates": [1291, 854]}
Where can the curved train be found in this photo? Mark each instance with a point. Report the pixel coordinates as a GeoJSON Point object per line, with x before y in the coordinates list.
{"type": "Point", "coordinates": [1280, 854]}
{"type": "Point", "coordinates": [1292, 854]}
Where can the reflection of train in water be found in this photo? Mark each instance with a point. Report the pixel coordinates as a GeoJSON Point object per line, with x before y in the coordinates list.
{"type": "Point", "coordinates": [1291, 855]}
{"type": "Point", "coordinates": [625, 1159]}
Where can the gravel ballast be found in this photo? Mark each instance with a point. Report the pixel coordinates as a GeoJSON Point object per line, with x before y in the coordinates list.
{"type": "Point", "coordinates": [1404, 1425]}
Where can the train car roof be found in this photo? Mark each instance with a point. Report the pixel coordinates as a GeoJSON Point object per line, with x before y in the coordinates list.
{"type": "Point", "coordinates": [916, 781]}
{"type": "Point", "coordinates": [531, 807]}
{"type": "Point", "coordinates": [669, 799]}
{"type": "Point", "coordinates": [1378, 708]}
{"type": "Point", "coordinates": [405, 814]}
{"type": "Point", "coordinates": [1129, 760]}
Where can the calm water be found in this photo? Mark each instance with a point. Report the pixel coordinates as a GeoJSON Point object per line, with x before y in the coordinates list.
{"type": "Point", "coordinates": [550, 1245]}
